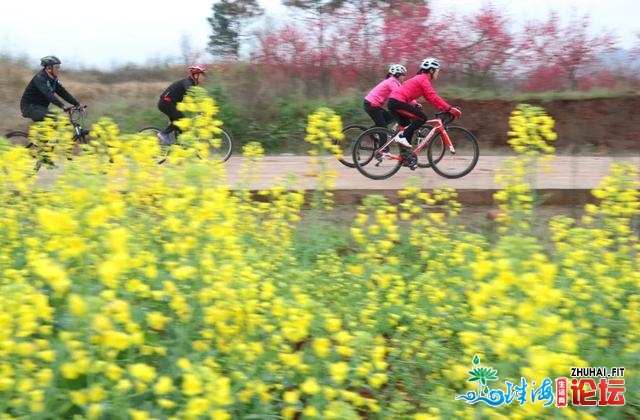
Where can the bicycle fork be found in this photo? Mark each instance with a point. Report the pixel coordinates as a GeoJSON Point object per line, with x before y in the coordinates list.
{"type": "Point", "coordinates": [448, 142]}
{"type": "Point", "coordinates": [440, 128]}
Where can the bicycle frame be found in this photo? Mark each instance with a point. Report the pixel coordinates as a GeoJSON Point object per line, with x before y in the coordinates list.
{"type": "Point", "coordinates": [76, 117]}
{"type": "Point", "coordinates": [438, 127]}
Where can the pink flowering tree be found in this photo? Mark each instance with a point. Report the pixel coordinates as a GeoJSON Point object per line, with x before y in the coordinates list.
{"type": "Point", "coordinates": [570, 50]}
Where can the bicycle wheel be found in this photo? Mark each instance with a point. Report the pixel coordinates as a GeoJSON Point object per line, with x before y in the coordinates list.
{"type": "Point", "coordinates": [164, 149]}
{"type": "Point", "coordinates": [459, 163]}
{"type": "Point", "coordinates": [219, 147]}
{"type": "Point", "coordinates": [19, 138]}
{"type": "Point", "coordinates": [150, 130]}
{"type": "Point", "coordinates": [372, 162]}
{"type": "Point", "coordinates": [351, 133]}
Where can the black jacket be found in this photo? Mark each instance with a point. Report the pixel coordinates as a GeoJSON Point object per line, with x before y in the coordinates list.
{"type": "Point", "coordinates": [41, 90]}
{"type": "Point", "coordinates": [176, 90]}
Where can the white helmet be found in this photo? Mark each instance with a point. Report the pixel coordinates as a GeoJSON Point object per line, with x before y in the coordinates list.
{"type": "Point", "coordinates": [430, 63]}
{"type": "Point", "coordinates": [397, 69]}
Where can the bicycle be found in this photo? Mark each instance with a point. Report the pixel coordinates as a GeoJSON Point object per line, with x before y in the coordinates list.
{"type": "Point", "coordinates": [451, 151]}
{"type": "Point", "coordinates": [351, 133]}
{"type": "Point", "coordinates": [221, 149]}
{"type": "Point", "coordinates": [77, 115]}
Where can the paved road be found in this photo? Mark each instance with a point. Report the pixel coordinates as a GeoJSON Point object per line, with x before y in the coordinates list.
{"type": "Point", "coordinates": [567, 172]}
{"type": "Point", "coordinates": [569, 180]}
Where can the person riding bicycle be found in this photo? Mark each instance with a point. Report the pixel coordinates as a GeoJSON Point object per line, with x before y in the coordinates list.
{"type": "Point", "coordinates": [42, 90]}
{"type": "Point", "coordinates": [174, 93]}
{"type": "Point", "coordinates": [410, 115]}
{"type": "Point", "coordinates": [377, 97]}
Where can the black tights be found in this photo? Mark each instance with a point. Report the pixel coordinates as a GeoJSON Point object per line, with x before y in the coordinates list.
{"type": "Point", "coordinates": [169, 109]}
{"type": "Point", "coordinates": [380, 116]}
{"type": "Point", "coordinates": [411, 118]}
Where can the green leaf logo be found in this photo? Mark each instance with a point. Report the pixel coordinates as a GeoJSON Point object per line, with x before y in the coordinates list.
{"type": "Point", "coordinates": [482, 374]}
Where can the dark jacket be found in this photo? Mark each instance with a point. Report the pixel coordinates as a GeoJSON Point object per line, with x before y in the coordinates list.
{"type": "Point", "coordinates": [41, 90]}
{"type": "Point", "coordinates": [176, 91]}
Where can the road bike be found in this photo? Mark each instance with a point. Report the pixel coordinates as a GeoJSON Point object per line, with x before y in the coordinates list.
{"type": "Point", "coordinates": [451, 151]}
{"type": "Point", "coordinates": [219, 147]}
{"type": "Point", "coordinates": [77, 115]}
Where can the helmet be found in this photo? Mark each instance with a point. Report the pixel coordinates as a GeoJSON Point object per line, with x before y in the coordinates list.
{"type": "Point", "coordinates": [49, 60]}
{"type": "Point", "coordinates": [430, 63]}
{"type": "Point", "coordinates": [397, 69]}
{"type": "Point", "coordinates": [197, 69]}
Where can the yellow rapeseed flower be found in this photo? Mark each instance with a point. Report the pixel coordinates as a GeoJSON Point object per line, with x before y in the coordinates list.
{"type": "Point", "coordinates": [321, 346]}
{"type": "Point", "coordinates": [163, 386]}
{"type": "Point", "coordinates": [310, 386]}
{"type": "Point", "coordinates": [191, 385]}
{"type": "Point", "coordinates": [339, 371]}
{"type": "Point", "coordinates": [142, 372]}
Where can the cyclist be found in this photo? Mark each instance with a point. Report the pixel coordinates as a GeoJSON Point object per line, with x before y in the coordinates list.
{"type": "Point", "coordinates": [409, 115]}
{"type": "Point", "coordinates": [173, 94]}
{"type": "Point", "coordinates": [42, 90]}
{"type": "Point", "coordinates": [377, 97]}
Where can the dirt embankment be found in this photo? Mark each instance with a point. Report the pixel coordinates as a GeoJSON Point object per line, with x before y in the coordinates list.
{"type": "Point", "coordinates": [600, 126]}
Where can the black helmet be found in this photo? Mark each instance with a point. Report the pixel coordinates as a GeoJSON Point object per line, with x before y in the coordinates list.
{"type": "Point", "coordinates": [49, 60]}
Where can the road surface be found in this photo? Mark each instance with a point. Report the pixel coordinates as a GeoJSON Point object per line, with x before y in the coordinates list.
{"type": "Point", "coordinates": [568, 180]}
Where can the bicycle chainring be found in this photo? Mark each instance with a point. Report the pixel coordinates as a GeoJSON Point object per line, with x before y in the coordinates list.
{"type": "Point", "coordinates": [409, 159]}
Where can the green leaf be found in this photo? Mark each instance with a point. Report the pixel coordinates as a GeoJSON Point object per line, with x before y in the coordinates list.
{"type": "Point", "coordinates": [476, 360]}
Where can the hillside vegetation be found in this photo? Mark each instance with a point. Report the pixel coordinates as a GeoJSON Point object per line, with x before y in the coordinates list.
{"type": "Point", "coordinates": [272, 108]}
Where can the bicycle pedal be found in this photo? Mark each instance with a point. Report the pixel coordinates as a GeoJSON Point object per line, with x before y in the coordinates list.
{"type": "Point", "coordinates": [410, 160]}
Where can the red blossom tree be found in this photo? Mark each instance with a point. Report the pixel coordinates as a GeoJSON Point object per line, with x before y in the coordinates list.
{"type": "Point", "coordinates": [405, 35]}
{"type": "Point", "coordinates": [570, 48]}
{"type": "Point", "coordinates": [356, 41]}
{"type": "Point", "coordinates": [338, 45]}
{"type": "Point", "coordinates": [477, 48]}
{"type": "Point", "coordinates": [284, 56]}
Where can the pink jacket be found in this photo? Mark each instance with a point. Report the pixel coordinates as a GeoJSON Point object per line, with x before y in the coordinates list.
{"type": "Point", "coordinates": [380, 93]}
{"type": "Point", "coordinates": [417, 86]}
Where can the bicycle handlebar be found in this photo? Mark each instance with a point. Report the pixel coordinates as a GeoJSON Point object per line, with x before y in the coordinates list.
{"type": "Point", "coordinates": [77, 113]}
{"type": "Point", "coordinates": [80, 107]}
{"type": "Point", "coordinates": [448, 117]}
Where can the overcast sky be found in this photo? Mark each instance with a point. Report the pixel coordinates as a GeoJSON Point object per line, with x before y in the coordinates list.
{"type": "Point", "coordinates": [115, 32]}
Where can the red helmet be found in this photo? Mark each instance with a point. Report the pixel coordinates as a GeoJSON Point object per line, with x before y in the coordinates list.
{"type": "Point", "coordinates": [197, 69]}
